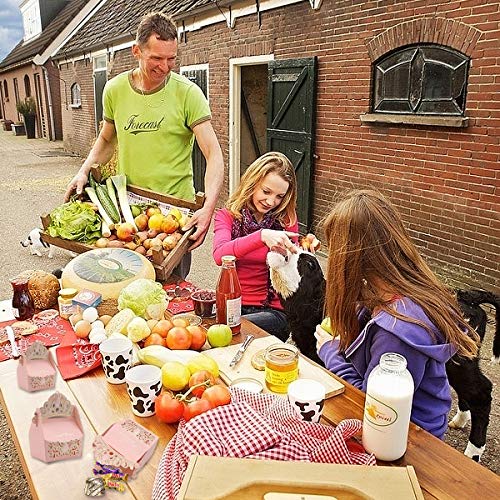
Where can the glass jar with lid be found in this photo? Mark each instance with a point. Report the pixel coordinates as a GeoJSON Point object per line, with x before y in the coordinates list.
{"type": "Point", "coordinates": [65, 300]}
{"type": "Point", "coordinates": [282, 366]}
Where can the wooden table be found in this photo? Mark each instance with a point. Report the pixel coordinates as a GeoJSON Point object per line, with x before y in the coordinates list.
{"type": "Point", "coordinates": [442, 471]}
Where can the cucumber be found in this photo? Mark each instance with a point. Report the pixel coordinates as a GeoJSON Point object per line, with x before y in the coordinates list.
{"type": "Point", "coordinates": [107, 203]}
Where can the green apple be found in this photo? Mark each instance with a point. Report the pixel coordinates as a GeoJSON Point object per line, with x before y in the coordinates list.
{"type": "Point", "coordinates": [327, 325]}
{"type": "Point", "coordinates": [219, 335]}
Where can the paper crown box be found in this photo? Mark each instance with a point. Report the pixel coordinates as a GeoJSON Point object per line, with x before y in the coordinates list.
{"type": "Point", "coordinates": [36, 370]}
{"type": "Point", "coordinates": [126, 445]}
{"type": "Point", "coordinates": [56, 430]}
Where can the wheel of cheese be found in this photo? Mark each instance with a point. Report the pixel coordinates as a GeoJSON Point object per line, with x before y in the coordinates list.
{"type": "Point", "coordinates": [106, 271]}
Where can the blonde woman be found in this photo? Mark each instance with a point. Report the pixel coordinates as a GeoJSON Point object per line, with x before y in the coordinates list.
{"type": "Point", "coordinates": [258, 216]}
{"type": "Point", "coordinates": [382, 297]}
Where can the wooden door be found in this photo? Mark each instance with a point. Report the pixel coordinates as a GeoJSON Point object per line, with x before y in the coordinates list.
{"type": "Point", "coordinates": [291, 117]}
{"type": "Point", "coordinates": [198, 76]}
{"type": "Point", "coordinates": [100, 79]}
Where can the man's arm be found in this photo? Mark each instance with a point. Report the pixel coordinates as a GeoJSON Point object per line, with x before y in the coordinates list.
{"type": "Point", "coordinates": [214, 176]}
{"type": "Point", "coordinates": [101, 153]}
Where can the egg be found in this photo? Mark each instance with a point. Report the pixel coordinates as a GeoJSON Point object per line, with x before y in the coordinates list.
{"type": "Point", "coordinates": [82, 329]}
{"type": "Point", "coordinates": [90, 314]}
{"type": "Point", "coordinates": [97, 325]}
{"type": "Point", "coordinates": [98, 338]}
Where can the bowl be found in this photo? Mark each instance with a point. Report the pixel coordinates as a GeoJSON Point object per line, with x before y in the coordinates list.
{"type": "Point", "coordinates": [194, 320]}
{"type": "Point", "coordinates": [204, 303]}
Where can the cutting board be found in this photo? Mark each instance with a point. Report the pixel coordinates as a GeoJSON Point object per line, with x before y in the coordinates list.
{"type": "Point", "coordinates": [307, 368]}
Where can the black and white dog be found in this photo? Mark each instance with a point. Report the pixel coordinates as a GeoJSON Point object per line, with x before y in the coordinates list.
{"type": "Point", "coordinates": [300, 284]}
{"type": "Point", "coordinates": [36, 245]}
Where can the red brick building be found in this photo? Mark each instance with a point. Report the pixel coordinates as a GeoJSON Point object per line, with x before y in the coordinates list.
{"type": "Point", "coordinates": [401, 96]}
{"type": "Point", "coordinates": [27, 71]}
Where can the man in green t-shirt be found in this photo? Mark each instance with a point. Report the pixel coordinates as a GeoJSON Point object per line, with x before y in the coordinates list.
{"type": "Point", "coordinates": [154, 115]}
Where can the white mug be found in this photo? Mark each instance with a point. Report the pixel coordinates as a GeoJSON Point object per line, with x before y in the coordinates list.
{"type": "Point", "coordinates": [116, 358]}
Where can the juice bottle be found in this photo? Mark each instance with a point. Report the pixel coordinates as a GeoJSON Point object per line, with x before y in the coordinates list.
{"type": "Point", "coordinates": [389, 396]}
{"type": "Point", "coordinates": [23, 306]}
{"type": "Point", "coordinates": [228, 295]}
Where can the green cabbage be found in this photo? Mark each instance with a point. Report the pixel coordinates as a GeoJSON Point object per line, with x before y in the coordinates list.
{"type": "Point", "coordinates": [145, 297]}
{"type": "Point", "coordinates": [75, 221]}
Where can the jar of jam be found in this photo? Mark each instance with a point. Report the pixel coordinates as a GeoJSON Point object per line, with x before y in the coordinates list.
{"type": "Point", "coordinates": [65, 300]}
{"type": "Point", "coordinates": [23, 306]}
{"type": "Point", "coordinates": [282, 366]}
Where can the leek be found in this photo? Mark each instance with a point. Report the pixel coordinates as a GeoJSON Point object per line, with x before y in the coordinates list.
{"type": "Point", "coordinates": [112, 194]}
{"type": "Point", "coordinates": [95, 200]}
{"type": "Point", "coordinates": [120, 182]}
{"type": "Point", "coordinates": [105, 229]}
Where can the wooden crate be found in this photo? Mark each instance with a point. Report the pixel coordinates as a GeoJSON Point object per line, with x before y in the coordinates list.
{"type": "Point", "coordinates": [163, 266]}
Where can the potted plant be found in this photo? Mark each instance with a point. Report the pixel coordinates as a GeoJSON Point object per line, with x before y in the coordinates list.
{"type": "Point", "coordinates": [27, 108]}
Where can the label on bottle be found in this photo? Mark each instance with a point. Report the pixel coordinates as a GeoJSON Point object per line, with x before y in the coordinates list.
{"type": "Point", "coordinates": [233, 312]}
{"type": "Point", "coordinates": [378, 413]}
{"type": "Point", "coordinates": [66, 309]}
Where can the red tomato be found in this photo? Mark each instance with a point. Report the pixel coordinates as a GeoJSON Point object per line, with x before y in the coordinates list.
{"type": "Point", "coordinates": [196, 408]}
{"type": "Point", "coordinates": [198, 337]}
{"type": "Point", "coordinates": [217, 395]}
{"type": "Point", "coordinates": [155, 339]}
{"type": "Point", "coordinates": [179, 337]}
{"type": "Point", "coordinates": [169, 409]}
{"type": "Point", "coordinates": [198, 378]}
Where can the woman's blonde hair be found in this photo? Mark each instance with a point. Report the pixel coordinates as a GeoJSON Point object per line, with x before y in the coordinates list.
{"type": "Point", "coordinates": [276, 163]}
{"type": "Point", "coordinates": [370, 251]}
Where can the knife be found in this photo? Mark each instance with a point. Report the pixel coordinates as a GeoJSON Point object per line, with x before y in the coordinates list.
{"type": "Point", "coordinates": [241, 350]}
{"type": "Point", "coordinates": [12, 339]}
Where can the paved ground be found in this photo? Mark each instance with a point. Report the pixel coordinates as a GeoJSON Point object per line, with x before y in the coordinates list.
{"type": "Point", "coordinates": [33, 176]}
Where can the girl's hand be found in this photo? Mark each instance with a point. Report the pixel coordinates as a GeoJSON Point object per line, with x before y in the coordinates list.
{"type": "Point", "coordinates": [272, 238]}
{"type": "Point", "coordinates": [322, 337]}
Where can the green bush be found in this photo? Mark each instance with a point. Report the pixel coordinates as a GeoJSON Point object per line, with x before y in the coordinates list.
{"type": "Point", "coordinates": [26, 107]}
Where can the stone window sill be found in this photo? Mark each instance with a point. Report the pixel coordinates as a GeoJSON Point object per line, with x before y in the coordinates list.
{"type": "Point", "coordinates": [75, 106]}
{"type": "Point", "coordinates": [435, 121]}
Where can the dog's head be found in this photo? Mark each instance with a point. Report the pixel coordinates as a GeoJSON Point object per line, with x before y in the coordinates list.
{"type": "Point", "coordinates": [288, 269]}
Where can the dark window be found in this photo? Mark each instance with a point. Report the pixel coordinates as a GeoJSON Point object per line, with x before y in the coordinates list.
{"type": "Point", "coordinates": [5, 89]}
{"type": "Point", "coordinates": [75, 95]}
{"type": "Point", "coordinates": [27, 86]}
{"type": "Point", "coordinates": [424, 80]}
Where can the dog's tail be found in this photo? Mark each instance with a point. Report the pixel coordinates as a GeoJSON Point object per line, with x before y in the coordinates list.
{"type": "Point", "coordinates": [478, 297]}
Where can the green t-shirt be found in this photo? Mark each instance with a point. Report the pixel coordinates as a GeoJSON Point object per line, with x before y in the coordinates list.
{"type": "Point", "coordinates": [154, 131]}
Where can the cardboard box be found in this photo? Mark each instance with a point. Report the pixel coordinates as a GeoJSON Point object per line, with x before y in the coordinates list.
{"type": "Point", "coordinates": [36, 370]}
{"type": "Point", "coordinates": [56, 431]}
{"type": "Point", "coordinates": [163, 266]}
{"type": "Point", "coordinates": [207, 478]}
{"type": "Point", "coordinates": [126, 445]}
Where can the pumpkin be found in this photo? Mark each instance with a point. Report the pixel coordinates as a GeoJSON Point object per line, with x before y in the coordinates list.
{"type": "Point", "coordinates": [43, 287]}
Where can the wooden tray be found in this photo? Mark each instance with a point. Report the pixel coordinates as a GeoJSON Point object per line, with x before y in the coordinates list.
{"type": "Point", "coordinates": [224, 478]}
{"type": "Point", "coordinates": [307, 368]}
{"type": "Point", "coordinates": [163, 266]}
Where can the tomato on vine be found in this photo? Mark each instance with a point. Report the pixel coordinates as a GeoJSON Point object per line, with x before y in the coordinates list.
{"type": "Point", "coordinates": [196, 407]}
{"type": "Point", "coordinates": [168, 408]}
{"type": "Point", "coordinates": [203, 379]}
{"type": "Point", "coordinates": [217, 395]}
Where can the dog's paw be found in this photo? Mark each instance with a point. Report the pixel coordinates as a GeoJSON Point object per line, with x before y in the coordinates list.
{"type": "Point", "coordinates": [474, 452]}
{"type": "Point", "coordinates": [459, 421]}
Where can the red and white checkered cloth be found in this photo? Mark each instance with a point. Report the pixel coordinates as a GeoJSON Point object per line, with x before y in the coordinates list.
{"type": "Point", "coordinates": [258, 426]}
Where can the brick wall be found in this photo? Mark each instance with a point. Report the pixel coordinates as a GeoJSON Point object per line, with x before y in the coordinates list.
{"type": "Point", "coordinates": [445, 181]}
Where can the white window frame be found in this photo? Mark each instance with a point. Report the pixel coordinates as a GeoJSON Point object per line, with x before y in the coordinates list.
{"type": "Point", "coordinates": [78, 102]}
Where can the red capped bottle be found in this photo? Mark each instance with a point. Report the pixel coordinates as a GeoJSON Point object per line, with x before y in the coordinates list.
{"type": "Point", "coordinates": [23, 306]}
{"type": "Point", "coordinates": [228, 295]}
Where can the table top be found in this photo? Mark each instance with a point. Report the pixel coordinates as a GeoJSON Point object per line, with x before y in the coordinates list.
{"type": "Point", "coordinates": [442, 471]}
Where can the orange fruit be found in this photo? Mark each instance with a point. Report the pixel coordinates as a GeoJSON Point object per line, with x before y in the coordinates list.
{"type": "Point", "coordinates": [155, 339]}
{"type": "Point", "coordinates": [162, 327]}
{"type": "Point", "coordinates": [180, 322]}
{"type": "Point", "coordinates": [179, 337]}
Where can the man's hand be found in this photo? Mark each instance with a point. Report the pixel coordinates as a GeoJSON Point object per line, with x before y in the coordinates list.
{"type": "Point", "coordinates": [201, 219]}
{"type": "Point", "coordinates": [76, 185]}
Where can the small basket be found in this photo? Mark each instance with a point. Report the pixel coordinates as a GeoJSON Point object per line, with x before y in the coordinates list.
{"type": "Point", "coordinates": [108, 306]}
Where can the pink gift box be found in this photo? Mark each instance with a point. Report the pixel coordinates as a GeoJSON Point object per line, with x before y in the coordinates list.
{"type": "Point", "coordinates": [126, 445]}
{"type": "Point", "coordinates": [36, 370]}
{"type": "Point", "coordinates": [56, 430]}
